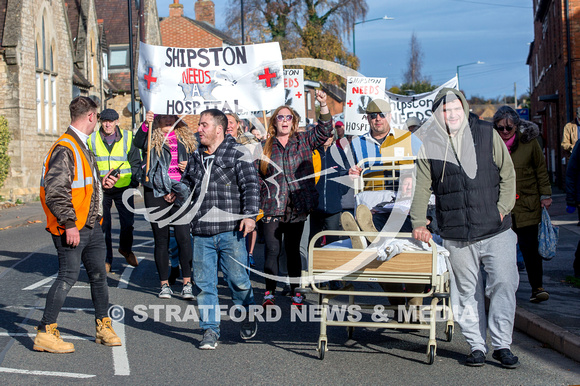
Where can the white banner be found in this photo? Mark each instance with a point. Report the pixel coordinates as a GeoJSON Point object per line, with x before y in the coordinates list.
{"type": "Point", "coordinates": [189, 80]}
{"type": "Point", "coordinates": [419, 105]}
{"type": "Point", "coordinates": [359, 92]}
{"type": "Point", "coordinates": [294, 91]}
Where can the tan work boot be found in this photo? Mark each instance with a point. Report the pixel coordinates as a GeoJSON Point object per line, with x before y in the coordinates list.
{"type": "Point", "coordinates": [105, 333]}
{"type": "Point", "coordinates": [50, 341]}
{"type": "Point", "coordinates": [130, 257]}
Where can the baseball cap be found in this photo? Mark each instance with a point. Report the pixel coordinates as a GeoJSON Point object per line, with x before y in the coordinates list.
{"type": "Point", "coordinates": [378, 106]}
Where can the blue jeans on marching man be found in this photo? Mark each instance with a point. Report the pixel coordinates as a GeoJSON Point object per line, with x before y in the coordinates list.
{"type": "Point", "coordinates": [228, 250]}
{"type": "Point", "coordinates": [226, 194]}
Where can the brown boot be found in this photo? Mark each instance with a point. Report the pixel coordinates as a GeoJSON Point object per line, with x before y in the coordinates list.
{"type": "Point", "coordinates": [349, 224]}
{"type": "Point", "coordinates": [364, 219]}
{"type": "Point", "coordinates": [50, 341]}
{"type": "Point", "coordinates": [105, 333]}
{"type": "Point", "coordinates": [130, 257]}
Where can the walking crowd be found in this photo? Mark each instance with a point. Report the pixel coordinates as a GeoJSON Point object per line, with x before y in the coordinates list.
{"type": "Point", "coordinates": [213, 192]}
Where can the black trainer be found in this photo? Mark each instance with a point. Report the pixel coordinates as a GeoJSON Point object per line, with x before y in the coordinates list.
{"type": "Point", "coordinates": [507, 359]}
{"type": "Point", "coordinates": [248, 329]}
{"type": "Point", "coordinates": [475, 359]}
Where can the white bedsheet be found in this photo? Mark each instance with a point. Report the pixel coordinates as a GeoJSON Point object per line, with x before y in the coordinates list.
{"type": "Point", "coordinates": [393, 247]}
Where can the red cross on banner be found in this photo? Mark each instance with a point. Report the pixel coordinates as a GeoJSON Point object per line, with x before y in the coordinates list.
{"type": "Point", "coordinates": [267, 76]}
{"type": "Point", "coordinates": [298, 94]}
{"type": "Point", "coordinates": [349, 103]}
{"type": "Point", "coordinates": [149, 78]}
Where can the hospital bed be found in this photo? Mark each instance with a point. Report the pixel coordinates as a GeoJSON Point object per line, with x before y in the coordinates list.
{"type": "Point", "coordinates": [339, 261]}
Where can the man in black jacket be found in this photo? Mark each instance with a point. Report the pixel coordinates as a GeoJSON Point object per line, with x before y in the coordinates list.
{"type": "Point", "coordinates": [468, 167]}
{"type": "Point", "coordinates": [227, 197]}
{"type": "Point", "coordinates": [114, 149]}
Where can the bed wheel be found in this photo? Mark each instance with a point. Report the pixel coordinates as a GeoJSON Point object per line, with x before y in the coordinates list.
{"type": "Point", "coordinates": [350, 331]}
{"type": "Point", "coordinates": [322, 350]}
{"type": "Point", "coordinates": [431, 355]}
{"type": "Point", "coordinates": [449, 333]}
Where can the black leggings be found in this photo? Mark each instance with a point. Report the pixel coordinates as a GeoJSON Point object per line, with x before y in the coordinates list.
{"type": "Point", "coordinates": [273, 232]}
{"type": "Point", "coordinates": [528, 242]}
{"type": "Point", "coordinates": [161, 237]}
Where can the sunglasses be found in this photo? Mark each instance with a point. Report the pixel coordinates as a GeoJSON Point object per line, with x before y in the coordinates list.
{"type": "Point", "coordinates": [374, 115]}
{"type": "Point", "coordinates": [281, 117]}
{"type": "Point", "coordinates": [504, 128]}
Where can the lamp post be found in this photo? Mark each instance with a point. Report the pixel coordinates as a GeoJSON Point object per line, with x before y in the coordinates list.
{"type": "Point", "coordinates": [361, 22]}
{"type": "Point", "coordinates": [242, 22]}
{"type": "Point", "coordinates": [463, 65]}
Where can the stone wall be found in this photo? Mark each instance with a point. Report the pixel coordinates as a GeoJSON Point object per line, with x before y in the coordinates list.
{"type": "Point", "coordinates": [18, 91]}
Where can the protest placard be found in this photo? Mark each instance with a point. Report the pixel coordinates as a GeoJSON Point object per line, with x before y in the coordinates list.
{"type": "Point", "coordinates": [189, 80]}
{"type": "Point", "coordinates": [419, 105]}
{"type": "Point", "coordinates": [294, 92]}
{"type": "Point", "coordinates": [359, 92]}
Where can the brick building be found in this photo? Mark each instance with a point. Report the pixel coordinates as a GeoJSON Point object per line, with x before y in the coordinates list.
{"type": "Point", "coordinates": [554, 73]}
{"type": "Point", "coordinates": [50, 52]}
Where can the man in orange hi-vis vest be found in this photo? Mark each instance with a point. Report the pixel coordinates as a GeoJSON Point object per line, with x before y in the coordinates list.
{"type": "Point", "coordinates": [71, 194]}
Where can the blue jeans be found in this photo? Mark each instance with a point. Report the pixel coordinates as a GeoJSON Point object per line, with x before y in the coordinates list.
{"type": "Point", "coordinates": [228, 249]}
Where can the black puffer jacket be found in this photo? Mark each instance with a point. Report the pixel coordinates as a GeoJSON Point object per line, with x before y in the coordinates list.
{"type": "Point", "coordinates": [573, 178]}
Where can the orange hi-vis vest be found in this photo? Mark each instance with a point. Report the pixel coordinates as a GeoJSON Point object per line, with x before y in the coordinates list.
{"type": "Point", "coordinates": [81, 187]}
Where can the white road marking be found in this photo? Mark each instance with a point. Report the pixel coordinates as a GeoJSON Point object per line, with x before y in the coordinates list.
{"type": "Point", "coordinates": [124, 280]}
{"type": "Point", "coordinates": [42, 308]}
{"type": "Point", "coordinates": [49, 373]}
{"type": "Point", "coordinates": [33, 335]}
{"type": "Point", "coordinates": [120, 357]}
{"type": "Point", "coordinates": [144, 244]}
{"type": "Point", "coordinates": [15, 264]}
{"type": "Point", "coordinates": [40, 283]}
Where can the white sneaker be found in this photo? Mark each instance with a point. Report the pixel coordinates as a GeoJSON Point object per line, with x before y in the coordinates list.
{"type": "Point", "coordinates": [187, 292]}
{"type": "Point", "coordinates": [166, 292]}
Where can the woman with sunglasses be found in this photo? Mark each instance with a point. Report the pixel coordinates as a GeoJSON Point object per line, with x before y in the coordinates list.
{"type": "Point", "coordinates": [533, 190]}
{"type": "Point", "coordinates": [172, 143]}
{"type": "Point", "coordinates": [288, 192]}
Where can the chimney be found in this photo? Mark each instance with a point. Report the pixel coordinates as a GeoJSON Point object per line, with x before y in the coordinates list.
{"type": "Point", "coordinates": [175, 9]}
{"type": "Point", "coordinates": [205, 11]}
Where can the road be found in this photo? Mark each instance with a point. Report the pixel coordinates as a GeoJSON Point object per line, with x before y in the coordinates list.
{"type": "Point", "coordinates": [163, 349]}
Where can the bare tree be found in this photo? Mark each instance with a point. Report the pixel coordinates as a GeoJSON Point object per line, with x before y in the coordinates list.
{"type": "Point", "coordinates": [413, 73]}
{"type": "Point", "coordinates": [304, 28]}
{"type": "Point", "coordinates": [264, 20]}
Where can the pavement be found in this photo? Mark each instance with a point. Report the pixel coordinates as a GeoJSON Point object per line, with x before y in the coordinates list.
{"type": "Point", "coordinates": [555, 323]}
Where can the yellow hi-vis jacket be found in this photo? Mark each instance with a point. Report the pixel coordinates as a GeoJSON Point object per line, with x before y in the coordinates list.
{"type": "Point", "coordinates": [117, 157]}
{"type": "Point", "coordinates": [81, 187]}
